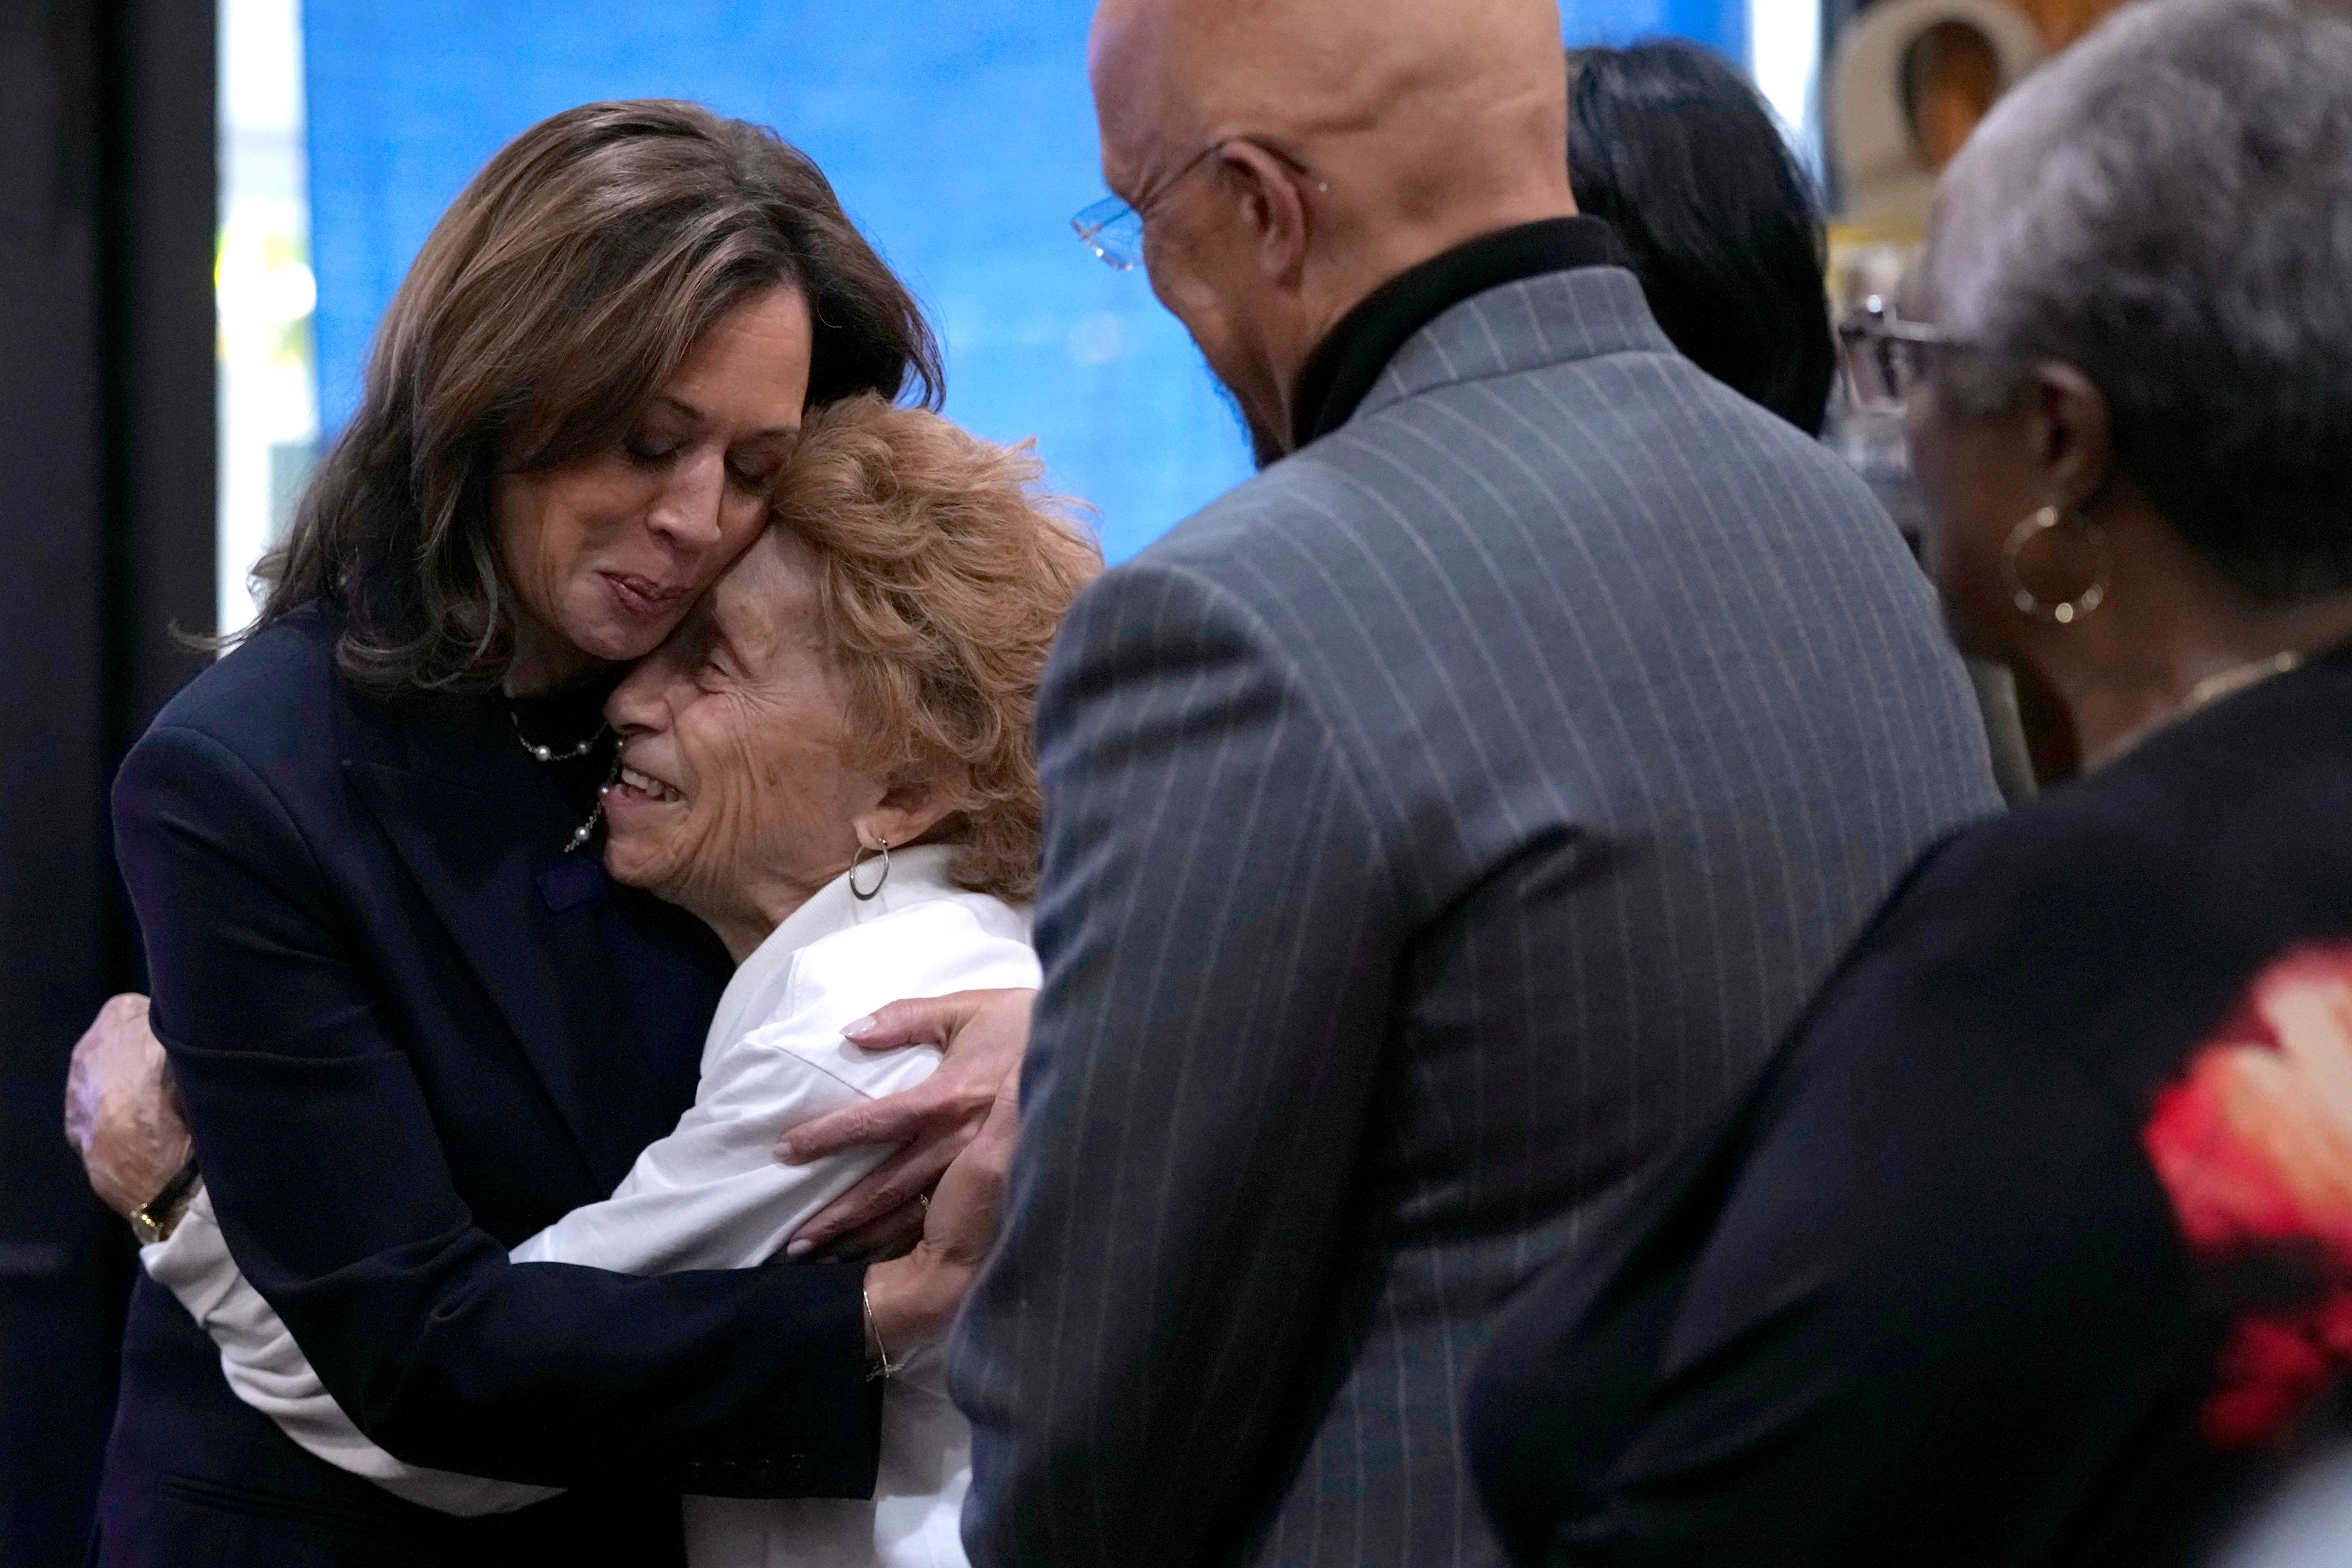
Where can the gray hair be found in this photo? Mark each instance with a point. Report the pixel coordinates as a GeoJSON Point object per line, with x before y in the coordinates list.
{"type": "Point", "coordinates": [2168, 208]}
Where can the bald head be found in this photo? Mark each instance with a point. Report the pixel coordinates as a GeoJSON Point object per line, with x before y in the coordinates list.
{"type": "Point", "coordinates": [1427, 105]}
{"type": "Point", "coordinates": [1344, 142]}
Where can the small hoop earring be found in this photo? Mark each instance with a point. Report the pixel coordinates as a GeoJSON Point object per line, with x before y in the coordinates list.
{"type": "Point", "coordinates": [2066, 612]}
{"type": "Point", "coordinates": [863, 894]}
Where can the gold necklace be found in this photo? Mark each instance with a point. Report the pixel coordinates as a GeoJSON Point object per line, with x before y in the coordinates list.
{"type": "Point", "coordinates": [2209, 691]}
{"type": "Point", "coordinates": [2230, 682]}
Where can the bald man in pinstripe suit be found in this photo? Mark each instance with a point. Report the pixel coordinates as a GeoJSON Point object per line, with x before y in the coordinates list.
{"type": "Point", "coordinates": [1438, 826]}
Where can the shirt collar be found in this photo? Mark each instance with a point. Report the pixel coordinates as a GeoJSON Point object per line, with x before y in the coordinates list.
{"type": "Point", "coordinates": [916, 876]}
{"type": "Point", "coordinates": [1351, 356]}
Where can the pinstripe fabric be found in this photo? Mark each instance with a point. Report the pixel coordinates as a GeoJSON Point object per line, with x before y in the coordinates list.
{"type": "Point", "coordinates": [1438, 826]}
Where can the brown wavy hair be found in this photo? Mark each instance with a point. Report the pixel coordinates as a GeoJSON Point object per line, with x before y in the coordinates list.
{"type": "Point", "coordinates": [942, 575]}
{"type": "Point", "coordinates": [561, 291]}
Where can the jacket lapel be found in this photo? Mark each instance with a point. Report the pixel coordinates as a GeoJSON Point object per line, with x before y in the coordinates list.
{"type": "Point", "coordinates": [484, 842]}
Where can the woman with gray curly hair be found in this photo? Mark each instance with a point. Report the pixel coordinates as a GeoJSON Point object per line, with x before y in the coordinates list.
{"type": "Point", "coordinates": [2033, 1245]}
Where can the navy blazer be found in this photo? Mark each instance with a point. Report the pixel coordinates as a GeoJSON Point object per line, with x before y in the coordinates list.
{"type": "Point", "coordinates": [410, 1032]}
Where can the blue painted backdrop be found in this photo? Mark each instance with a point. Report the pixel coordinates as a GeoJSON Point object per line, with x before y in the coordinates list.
{"type": "Point", "coordinates": [958, 131]}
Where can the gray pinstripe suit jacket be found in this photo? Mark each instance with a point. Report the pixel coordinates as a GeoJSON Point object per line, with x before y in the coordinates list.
{"type": "Point", "coordinates": [1438, 826]}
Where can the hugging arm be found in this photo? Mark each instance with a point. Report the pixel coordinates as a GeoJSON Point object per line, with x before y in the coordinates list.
{"type": "Point", "coordinates": [983, 1034]}
{"type": "Point", "coordinates": [441, 1351]}
{"type": "Point", "coordinates": [705, 1196]}
{"type": "Point", "coordinates": [267, 1370]}
{"type": "Point", "coordinates": [1149, 1341]}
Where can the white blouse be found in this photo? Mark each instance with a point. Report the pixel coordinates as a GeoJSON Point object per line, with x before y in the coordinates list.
{"type": "Point", "coordinates": [711, 1194]}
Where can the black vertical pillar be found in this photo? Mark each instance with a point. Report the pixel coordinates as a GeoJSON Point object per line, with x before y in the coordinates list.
{"type": "Point", "coordinates": [107, 484]}
{"type": "Point", "coordinates": [54, 1301]}
{"type": "Point", "coordinates": [158, 337]}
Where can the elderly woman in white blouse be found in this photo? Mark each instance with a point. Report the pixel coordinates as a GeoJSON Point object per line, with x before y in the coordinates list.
{"type": "Point", "coordinates": [830, 764]}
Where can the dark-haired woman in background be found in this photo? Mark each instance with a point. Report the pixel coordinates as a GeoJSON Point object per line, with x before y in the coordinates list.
{"type": "Point", "coordinates": [1669, 144]}
{"type": "Point", "coordinates": [2033, 1245]}
{"type": "Point", "coordinates": [409, 1025]}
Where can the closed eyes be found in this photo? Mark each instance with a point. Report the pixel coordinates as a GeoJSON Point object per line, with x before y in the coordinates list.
{"type": "Point", "coordinates": [751, 477]}
{"type": "Point", "coordinates": [650, 451]}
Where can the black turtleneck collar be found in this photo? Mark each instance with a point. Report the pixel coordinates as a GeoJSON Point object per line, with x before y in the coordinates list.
{"type": "Point", "coordinates": [1350, 358]}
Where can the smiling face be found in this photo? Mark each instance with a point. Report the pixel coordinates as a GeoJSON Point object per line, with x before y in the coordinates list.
{"type": "Point", "coordinates": [738, 796]}
{"type": "Point", "coordinates": [608, 554]}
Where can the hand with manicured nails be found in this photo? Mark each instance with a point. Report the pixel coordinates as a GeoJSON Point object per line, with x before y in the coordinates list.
{"type": "Point", "coordinates": [913, 1298]}
{"type": "Point", "coordinates": [981, 1035]}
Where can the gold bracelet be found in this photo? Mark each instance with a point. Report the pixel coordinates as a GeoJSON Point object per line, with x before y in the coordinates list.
{"type": "Point", "coordinates": [154, 1220]}
{"type": "Point", "coordinates": [876, 1352]}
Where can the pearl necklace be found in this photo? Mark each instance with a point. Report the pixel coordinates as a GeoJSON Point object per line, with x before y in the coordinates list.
{"type": "Point", "coordinates": [539, 754]}
{"type": "Point", "coordinates": [580, 834]}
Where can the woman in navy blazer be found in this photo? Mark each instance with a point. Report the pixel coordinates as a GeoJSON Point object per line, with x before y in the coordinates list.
{"type": "Point", "coordinates": [411, 1022]}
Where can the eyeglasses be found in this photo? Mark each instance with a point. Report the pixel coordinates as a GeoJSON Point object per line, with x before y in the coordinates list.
{"type": "Point", "coordinates": [1113, 229]}
{"type": "Point", "coordinates": [1887, 356]}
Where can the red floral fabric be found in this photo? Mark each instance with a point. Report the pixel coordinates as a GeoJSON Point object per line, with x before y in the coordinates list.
{"type": "Point", "coordinates": [2253, 1144]}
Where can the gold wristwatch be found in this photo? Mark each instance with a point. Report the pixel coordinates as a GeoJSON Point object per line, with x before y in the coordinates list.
{"type": "Point", "coordinates": [152, 1221]}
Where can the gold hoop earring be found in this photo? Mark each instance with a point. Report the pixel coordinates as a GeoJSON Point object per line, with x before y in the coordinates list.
{"type": "Point", "coordinates": [2066, 612]}
{"type": "Point", "coordinates": [863, 894]}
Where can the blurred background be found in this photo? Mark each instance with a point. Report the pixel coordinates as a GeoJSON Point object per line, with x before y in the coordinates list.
{"type": "Point", "coordinates": [204, 205]}
{"type": "Point", "coordinates": [959, 136]}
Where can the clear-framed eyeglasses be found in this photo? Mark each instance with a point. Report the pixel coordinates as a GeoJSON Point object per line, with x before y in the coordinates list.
{"type": "Point", "coordinates": [1113, 229]}
{"type": "Point", "coordinates": [1886, 356]}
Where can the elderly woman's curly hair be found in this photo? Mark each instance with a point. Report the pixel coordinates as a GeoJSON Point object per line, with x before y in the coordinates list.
{"type": "Point", "coordinates": [942, 576]}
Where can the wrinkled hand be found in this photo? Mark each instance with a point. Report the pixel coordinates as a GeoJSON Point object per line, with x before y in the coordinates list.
{"type": "Point", "coordinates": [123, 1112]}
{"type": "Point", "coordinates": [914, 1298]}
{"type": "Point", "coordinates": [981, 1036]}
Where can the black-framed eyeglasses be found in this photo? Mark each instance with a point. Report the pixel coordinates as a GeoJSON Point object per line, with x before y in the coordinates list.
{"type": "Point", "coordinates": [1113, 229]}
{"type": "Point", "coordinates": [1887, 356]}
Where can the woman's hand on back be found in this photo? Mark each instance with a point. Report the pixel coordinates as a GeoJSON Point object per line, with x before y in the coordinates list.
{"type": "Point", "coordinates": [911, 1298]}
{"type": "Point", "coordinates": [122, 1111]}
{"type": "Point", "coordinates": [981, 1036]}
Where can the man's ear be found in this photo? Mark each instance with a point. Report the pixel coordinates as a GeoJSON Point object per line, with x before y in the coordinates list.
{"type": "Point", "coordinates": [1271, 205]}
{"type": "Point", "coordinates": [2073, 435]}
